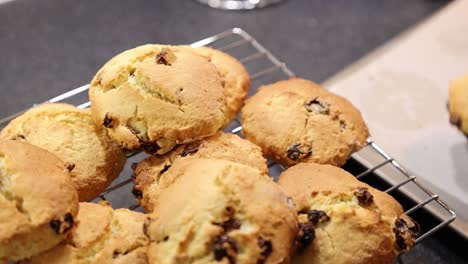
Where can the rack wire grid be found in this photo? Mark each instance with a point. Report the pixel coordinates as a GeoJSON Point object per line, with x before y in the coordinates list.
{"type": "Point", "coordinates": [264, 67]}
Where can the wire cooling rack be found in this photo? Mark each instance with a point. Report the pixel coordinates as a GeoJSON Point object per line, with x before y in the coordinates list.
{"type": "Point", "coordinates": [264, 68]}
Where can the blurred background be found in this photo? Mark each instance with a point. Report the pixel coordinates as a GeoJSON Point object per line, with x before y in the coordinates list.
{"type": "Point", "coordinates": [48, 47]}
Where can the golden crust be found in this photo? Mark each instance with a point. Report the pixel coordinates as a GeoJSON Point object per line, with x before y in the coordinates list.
{"type": "Point", "coordinates": [296, 121]}
{"type": "Point", "coordinates": [102, 236]}
{"type": "Point", "coordinates": [38, 203]}
{"type": "Point", "coordinates": [227, 210]}
{"type": "Point", "coordinates": [362, 223]}
{"type": "Point", "coordinates": [70, 133]}
{"type": "Point", "coordinates": [150, 174]}
{"type": "Point", "coordinates": [234, 76]}
{"type": "Point", "coordinates": [153, 97]}
{"type": "Point", "coordinates": [458, 103]}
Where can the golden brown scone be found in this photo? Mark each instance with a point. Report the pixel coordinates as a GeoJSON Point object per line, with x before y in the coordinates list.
{"type": "Point", "coordinates": [458, 103]}
{"type": "Point", "coordinates": [350, 221]}
{"type": "Point", "coordinates": [235, 79]}
{"type": "Point", "coordinates": [153, 97]}
{"type": "Point", "coordinates": [296, 121]}
{"type": "Point", "coordinates": [150, 174]}
{"type": "Point", "coordinates": [38, 203]}
{"type": "Point", "coordinates": [102, 236]}
{"type": "Point", "coordinates": [93, 158]}
{"type": "Point", "coordinates": [218, 211]}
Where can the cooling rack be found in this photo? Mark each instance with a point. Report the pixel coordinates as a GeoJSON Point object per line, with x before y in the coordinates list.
{"type": "Point", "coordinates": [264, 68]}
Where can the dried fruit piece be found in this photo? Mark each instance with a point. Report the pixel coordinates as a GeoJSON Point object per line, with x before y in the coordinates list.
{"type": "Point", "coordinates": [150, 147]}
{"type": "Point", "coordinates": [405, 231]}
{"type": "Point", "coordinates": [62, 226]}
{"type": "Point", "coordinates": [189, 150]}
{"type": "Point", "coordinates": [317, 216]}
{"type": "Point", "coordinates": [266, 248]}
{"type": "Point", "coordinates": [305, 236]}
{"type": "Point", "coordinates": [317, 106]}
{"type": "Point", "coordinates": [299, 151]}
{"type": "Point", "coordinates": [70, 166]}
{"type": "Point", "coordinates": [107, 122]}
{"type": "Point", "coordinates": [165, 57]}
{"type": "Point", "coordinates": [137, 193]}
{"type": "Point", "coordinates": [224, 246]}
{"type": "Point", "coordinates": [364, 197]}
{"type": "Point", "coordinates": [230, 224]}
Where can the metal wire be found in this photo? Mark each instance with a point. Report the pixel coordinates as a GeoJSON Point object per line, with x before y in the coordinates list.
{"type": "Point", "coordinates": [243, 39]}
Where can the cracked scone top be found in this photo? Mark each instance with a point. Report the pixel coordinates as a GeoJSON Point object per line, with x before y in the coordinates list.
{"type": "Point", "coordinates": [458, 103]}
{"type": "Point", "coordinates": [93, 159]}
{"type": "Point", "coordinates": [218, 211]}
{"type": "Point", "coordinates": [102, 236]}
{"type": "Point", "coordinates": [155, 173]}
{"type": "Point", "coordinates": [38, 204]}
{"type": "Point", "coordinates": [296, 121]}
{"type": "Point", "coordinates": [234, 77]}
{"type": "Point", "coordinates": [153, 97]}
{"type": "Point", "coordinates": [343, 220]}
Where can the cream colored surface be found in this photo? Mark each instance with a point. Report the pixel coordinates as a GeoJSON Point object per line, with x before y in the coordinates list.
{"type": "Point", "coordinates": [70, 133]}
{"type": "Point", "coordinates": [102, 236]}
{"type": "Point", "coordinates": [153, 97]}
{"type": "Point", "coordinates": [355, 232]}
{"type": "Point", "coordinates": [458, 103]}
{"type": "Point", "coordinates": [235, 79]}
{"type": "Point", "coordinates": [38, 203]}
{"type": "Point", "coordinates": [412, 75]}
{"type": "Point", "coordinates": [296, 120]}
{"type": "Point", "coordinates": [150, 175]}
{"type": "Point", "coordinates": [222, 199]}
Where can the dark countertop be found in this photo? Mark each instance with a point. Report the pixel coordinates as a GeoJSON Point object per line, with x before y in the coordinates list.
{"type": "Point", "coordinates": [51, 46]}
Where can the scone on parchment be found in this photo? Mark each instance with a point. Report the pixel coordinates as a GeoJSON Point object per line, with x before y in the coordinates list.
{"type": "Point", "coordinates": [296, 121]}
{"type": "Point", "coordinates": [343, 220]}
{"type": "Point", "coordinates": [38, 204]}
{"type": "Point", "coordinates": [218, 211]}
{"type": "Point", "coordinates": [93, 159]}
{"type": "Point", "coordinates": [102, 236]}
{"type": "Point", "coordinates": [458, 103]}
{"type": "Point", "coordinates": [154, 97]}
{"type": "Point", "coordinates": [234, 77]}
{"type": "Point", "coordinates": [154, 173]}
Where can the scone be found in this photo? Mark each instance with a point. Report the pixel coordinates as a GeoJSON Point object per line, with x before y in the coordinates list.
{"type": "Point", "coordinates": [102, 236]}
{"type": "Point", "coordinates": [343, 220]}
{"type": "Point", "coordinates": [153, 97]}
{"type": "Point", "coordinates": [151, 175]}
{"type": "Point", "coordinates": [234, 77]}
{"type": "Point", "coordinates": [458, 103]}
{"type": "Point", "coordinates": [218, 211]}
{"type": "Point", "coordinates": [38, 204]}
{"type": "Point", "coordinates": [93, 159]}
{"type": "Point", "coordinates": [296, 121]}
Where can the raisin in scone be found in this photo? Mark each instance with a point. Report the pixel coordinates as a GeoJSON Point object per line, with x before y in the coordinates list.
{"type": "Point", "coordinates": [234, 77]}
{"type": "Point", "coordinates": [153, 97]}
{"type": "Point", "coordinates": [343, 220]}
{"type": "Point", "coordinates": [93, 159]}
{"type": "Point", "coordinates": [38, 204]}
{"type": "Point", "coordinates": [458, 103]}
{"type": "Point", "coordinates": [103, 235]}
{"type": "Point", "coordinates": [218, 211]}
{"type": "Point", "coordinates": [154, 173]}
{"type": "Point", "coordinates": [296, 121]}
